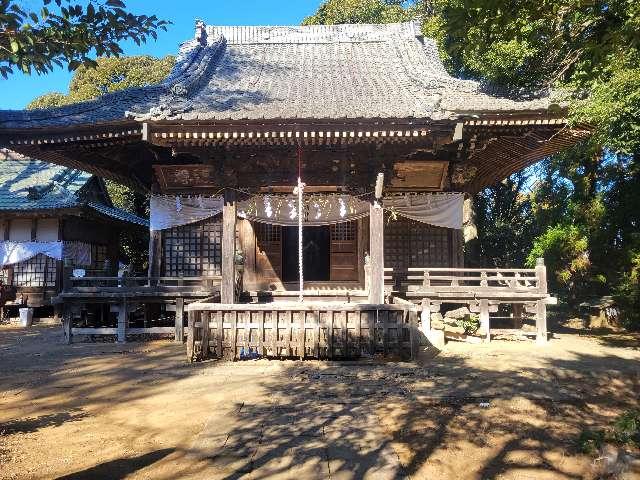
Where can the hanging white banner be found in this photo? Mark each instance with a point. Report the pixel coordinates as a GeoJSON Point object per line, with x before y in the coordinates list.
{"type": "Point", "coordinates": [318, 209]}
{"type": "Point", "coordinates": [16, 252]}
{"type": "Point", "coordinates": [169, 211]}
{"type": "Point", "coordinates": [439, 209]}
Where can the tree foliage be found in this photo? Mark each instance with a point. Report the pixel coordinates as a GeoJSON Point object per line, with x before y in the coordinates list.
{"type": "Point", "coordinates": [333, 12]}
{"type": "Point", "coordinates": [110, 75]}
{"type": "Point", "coordinates": [579, 209]}
{"type": "Point", "coordinates": [106, 76]}
{"type": "Point", "coordinates": [61, 32]}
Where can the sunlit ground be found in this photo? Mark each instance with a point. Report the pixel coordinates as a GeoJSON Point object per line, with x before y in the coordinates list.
{"type": "Point", "coordinates": [509, 410]}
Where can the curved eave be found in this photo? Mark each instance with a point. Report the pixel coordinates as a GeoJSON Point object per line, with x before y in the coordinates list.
{"type": "Point", "coordinates": [506, 154]}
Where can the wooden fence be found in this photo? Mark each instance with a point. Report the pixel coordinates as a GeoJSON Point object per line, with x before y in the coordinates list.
{"type": "Point", "coordinates": [479, 281]}
{"type": "Point", "coordinates": [120, 284]}
{"type": "Point", "coordinates": [483, 290]}
{"type": "Point", "coordinates": [318, 330]}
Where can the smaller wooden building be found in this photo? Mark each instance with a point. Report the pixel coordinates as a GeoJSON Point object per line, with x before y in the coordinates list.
{"type": "Point", "coordinates": [53, 216]}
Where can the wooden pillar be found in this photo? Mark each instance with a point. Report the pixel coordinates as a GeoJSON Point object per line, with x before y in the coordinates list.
{"type": "Point", "coordinates": [227, 289]}
{"type": "Point", "coordinates": [123, 320]}
{"type": "Point", "coordinates": [191, 336]}
{"type": "Point", "coordinates": [376, 253]}
{"type": "Point", "coordinates": [205, 320]}
{"type": "Point", "coordinates": [484, 319]}
{"type": "Point", "coordinates": [425, 316]}
{"type": "Point", "coordinates": [247, 240]}
{"type": "Point", "coordinates": [541, 321]}
{"type": "Point", "coordinates": [155, 254]}
{"type": "Point", "coordinates": [541, 275]}
{"type": "Point", "coordinates": [179, 322]}
{"type": "Point", "coordinates": [67, 324]}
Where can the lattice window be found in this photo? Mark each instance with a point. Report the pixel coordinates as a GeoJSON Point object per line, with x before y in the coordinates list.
{"type": "Point", "coordinates": [98, 256]}
{"type": "Point", "coordinates": [408, 243]}
{"type": "Point", "coordinates": [4, 276]}
{"type": "Point", "coordinates": [265, 232]}
{"type": "Point", "coordinates": [38, 271]}
{"type": "Point", "coordinates": [344, 231]}
{"type": "Point", "coordinates": [193, 250]}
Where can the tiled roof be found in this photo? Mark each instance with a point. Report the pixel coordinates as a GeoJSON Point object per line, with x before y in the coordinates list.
{"type": "Point", "coordinates": [118, 214]}
{"type": "Point", "coordinates": [28, 184]}
{"type": "Point", "coordinates": [330, 72]}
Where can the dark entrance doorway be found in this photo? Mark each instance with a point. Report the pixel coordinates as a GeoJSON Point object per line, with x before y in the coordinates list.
{"type": "Point", "coordinates": [315, 253]}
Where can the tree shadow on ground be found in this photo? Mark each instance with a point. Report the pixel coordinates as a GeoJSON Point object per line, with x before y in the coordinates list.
{"type": "Point", "coordinates": [486, 412]}
{"type": "Point", "coordinates": [120, 468]}
{"type": "Point", "coordinates": [33, 424]}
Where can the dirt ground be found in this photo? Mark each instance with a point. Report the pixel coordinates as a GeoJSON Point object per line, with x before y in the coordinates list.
{"type": "Point", "coordinates": [508, 410]}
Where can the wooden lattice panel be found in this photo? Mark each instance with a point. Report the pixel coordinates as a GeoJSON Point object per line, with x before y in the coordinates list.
{"type": "Point", "coordinates": [38, 271]}
{"type": "Point", "coordinates": [408, 243]}
{"type": "Point", "coordinates": [193, 250]}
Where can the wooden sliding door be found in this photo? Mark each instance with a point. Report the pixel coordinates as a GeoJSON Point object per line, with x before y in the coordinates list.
{"type": "Point", "coordinates": [268, 253]}
{"type": "Point", "coordinates": [344, 251]}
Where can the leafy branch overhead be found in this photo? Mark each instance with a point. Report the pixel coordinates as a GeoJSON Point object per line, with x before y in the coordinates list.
{"type": "Point", "coordinates": [59, 33]}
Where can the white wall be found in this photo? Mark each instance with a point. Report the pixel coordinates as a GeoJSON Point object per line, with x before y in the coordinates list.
{"type": "Point", "coordinates": [47, 230]}
{"type": "Point", "coordinates": [20, 230]}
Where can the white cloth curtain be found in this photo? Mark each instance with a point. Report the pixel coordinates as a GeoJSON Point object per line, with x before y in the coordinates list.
{"type": "Point", "coordinates": [16, 252]}
{"type": "Point", "coordinates": [439, 209]}
{"type": "Point", "coordinates": [173, 211]}
{"type": "Point", "coordinates": [318, 209]}
{"type": "Point", "coordinates": [78, 253]}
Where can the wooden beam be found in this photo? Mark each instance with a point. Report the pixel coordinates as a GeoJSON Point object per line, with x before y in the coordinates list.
{"type": "Point", "coordinates": [227, 288]}
{"type": "Point", "coordinates": [376, 253]}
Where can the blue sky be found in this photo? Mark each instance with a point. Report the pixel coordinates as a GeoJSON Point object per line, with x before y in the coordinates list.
{"type": "Point", "coordinates": [19, 89]}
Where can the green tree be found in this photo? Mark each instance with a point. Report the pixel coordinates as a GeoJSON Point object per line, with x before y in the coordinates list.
{"type": "Point", "coordinates": [504, 216]}
{"type": "Point", "coordinates": [58, 33]}
{"type": "Point", "coordinates": [110, 75]}
{"type": "Point", "coordinates": [333, 12]}
{"type": "Point", "coordinates": [581, 208]}
{"type": "Point", "coordinates": [106, 76]}
{"type": "Point", "coordinates": [584, 202]}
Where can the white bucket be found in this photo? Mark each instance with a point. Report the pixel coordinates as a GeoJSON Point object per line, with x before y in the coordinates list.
{"type": "Point", "coordinates": [26, 317]}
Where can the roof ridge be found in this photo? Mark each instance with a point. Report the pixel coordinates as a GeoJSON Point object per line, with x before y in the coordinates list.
{"type": "Point", "coordinates": [336, 33]}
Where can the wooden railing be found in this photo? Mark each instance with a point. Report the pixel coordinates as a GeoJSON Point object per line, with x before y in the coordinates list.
{"type": "Point", "coordinates": [105, 284]}
{"type": "Point", "coordinates": [311, 330]}
{"type": "Point", "coordinates": [483, 290]}
{"type": "Point", "coordinates": [479, 281]}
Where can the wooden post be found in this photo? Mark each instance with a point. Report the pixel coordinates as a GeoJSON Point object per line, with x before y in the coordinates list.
{"type": "Point", "coordinates": [179, 325]}
{"type": "Point", "coordinates": [541, 275]}
{"type": "Point", "coordinates": [67, 285]}
{"type": "Point", "coordinates": [205, 318]}
{"type": "Point", "coordinates": [155, 255]}
{"type": "Point", "coordinates": [191, 335]}
{"type": "Point", "coordinates": [484, 318]}
{"type": "Point", "coordinates": [376, 247]}
{"type": "Point", "coordinates": [541, 322]}
{"type": "Point", "coordinates": [227, 288]}
{"type": "Point", "coordinates": [302, 334]}
{"type": "Point", "coordinates": [425, 316]}
{"type": "Point", "coordinates": [123, 319]}
{"type": "Point", "coordinates": [67, 324]}
{"type": "Point", "coordinates": [413, 334]}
